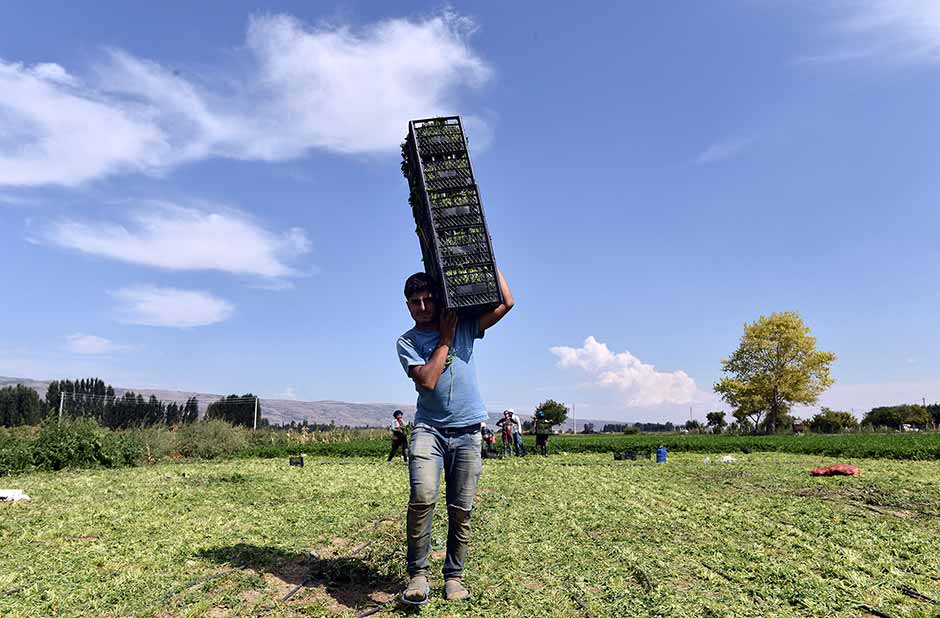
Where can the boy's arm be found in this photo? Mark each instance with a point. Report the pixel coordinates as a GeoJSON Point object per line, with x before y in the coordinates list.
{"type": "Point", "coordinates": [426, 375]}
{"type": "Point", "coordinates": [495, 315]}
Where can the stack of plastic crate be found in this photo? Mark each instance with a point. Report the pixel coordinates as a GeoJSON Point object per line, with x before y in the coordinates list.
{"type": "Point", "coordinates": [445, 200]}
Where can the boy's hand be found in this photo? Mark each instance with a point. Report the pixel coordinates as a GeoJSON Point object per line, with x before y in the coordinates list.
{"type": "Point", "coordinates": [448, 327]}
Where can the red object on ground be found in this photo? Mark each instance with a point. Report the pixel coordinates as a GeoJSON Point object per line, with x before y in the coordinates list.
{"type": "Point", "coordinates": [836, 470]}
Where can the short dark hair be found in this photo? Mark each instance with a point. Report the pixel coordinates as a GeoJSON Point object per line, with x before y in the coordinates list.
{"type": "Point", "coordinates": [420, 282]}
{"type": "Point", "coordinates": [397, 413]}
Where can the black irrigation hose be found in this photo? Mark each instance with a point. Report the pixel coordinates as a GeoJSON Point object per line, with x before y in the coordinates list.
{"type": "Point", "coordinates": [581, 604]}
{"type": "Point", "coordinates": [874, 612]}
{"type": "Point", "coordinates": [172, 594]}
{"type": "Point", "coordinates": [916, 595]}
{"type": "Point", "coordinates": [719, 572]}
{"type": "Point", "coordinates": [303, 582]}
{"type": "Point", "coordinates": [306, 580]}
{"type": "Point", "coordinates": [13, 591]}
{"type": "Point", "coordinates": [643, 578]}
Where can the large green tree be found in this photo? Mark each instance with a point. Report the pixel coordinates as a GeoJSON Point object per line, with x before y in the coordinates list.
{"type": "Point", "coordinates": [832, 421]}
{"type": "Point", "coordinates": [934, 411]}
{"type": "Point", "coordinates": [716, 420]}
{"type": "Point", "coordinates": [555, 413]}
{"type": "Point", "coordinates": [775, 366]}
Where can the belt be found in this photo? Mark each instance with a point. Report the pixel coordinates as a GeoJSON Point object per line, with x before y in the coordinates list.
{"type": "Point", "coordinates": [459, 431]}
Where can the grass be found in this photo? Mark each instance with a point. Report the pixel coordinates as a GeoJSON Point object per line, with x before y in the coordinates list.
{"type": "Point", "coordinates": [571, 535]}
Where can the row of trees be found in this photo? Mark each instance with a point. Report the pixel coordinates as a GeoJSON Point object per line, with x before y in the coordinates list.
{"type": "Point", "coordinates": [94, 399]}
{"type": "Point", "coordinates": [237, 410]}
{"type": "Point", "coordinates": [20, 405]}
{"type": "Point", "coordinates": [828, 420]}
{"type": "Point", "coordinates": [894, 417]}
{"type": "Point", "coordinates": [825, 421]}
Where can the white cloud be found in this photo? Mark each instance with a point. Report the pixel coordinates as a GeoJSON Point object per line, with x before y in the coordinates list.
{"type": "Point", "coordinates": [54, 133]}
{"type": "Point", "coordinates": [53, 73]}
{"type": "Point", "coordinates": [153, 306]}
{"type": "Point", "coordinates": [298, 88]}
{"type": "Point", "coordinates": [168, 236]}
{"type": "Point", "coordinates": [352, 91]}
{"type": "Point", "coordinates": [638, 382]}
{"type": "Point", "coordinates": [721, 150]}
{"type": "Point", "coordinates": [905, 31]}
{"type": "Point", "coordinates": [81, 343]}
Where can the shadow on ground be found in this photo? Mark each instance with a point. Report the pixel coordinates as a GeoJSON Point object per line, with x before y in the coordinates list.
{"type": "Point", "coordinates": [350, 581]}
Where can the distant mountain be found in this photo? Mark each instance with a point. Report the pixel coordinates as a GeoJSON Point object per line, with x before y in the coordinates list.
{"type": "Point", "coordinates": [36, 385]}
{"type": "Point", "coordinates": [282, 411]}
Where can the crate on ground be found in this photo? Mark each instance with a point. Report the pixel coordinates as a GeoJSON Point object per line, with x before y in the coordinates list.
{"type": "Point", "coordinates": [450, 222]}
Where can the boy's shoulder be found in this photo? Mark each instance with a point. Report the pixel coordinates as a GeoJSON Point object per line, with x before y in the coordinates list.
{"type": "Point", "coordinates": [411, 336]}
{"type": "Point", "coordinates": [416, 334]}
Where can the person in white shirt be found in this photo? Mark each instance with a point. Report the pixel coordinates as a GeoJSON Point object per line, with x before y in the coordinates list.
{"type": "Point", "coordinates": [517, 432]}
{"type": "Point", "coordinates": [512, 433]}
{"type": "Point", "coordinates": [399, 437]}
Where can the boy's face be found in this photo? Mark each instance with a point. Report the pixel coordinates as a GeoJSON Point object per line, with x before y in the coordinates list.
{"type": "Point", "coordinates": [422, 307]}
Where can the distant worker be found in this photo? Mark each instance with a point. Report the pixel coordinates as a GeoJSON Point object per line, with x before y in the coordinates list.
{"type": "Point", "coordinates": [488, 450]}
{"type": "Point", "coordinates": [507, 439]}
{"type": "Point", "coordinates": [543, 429]}
{"type": "Point", "coordinates": [399, 436]}
{"type": "Point", "coordinates": [437, 354]}
{"type": "Point", "coordinates": [517, 433]}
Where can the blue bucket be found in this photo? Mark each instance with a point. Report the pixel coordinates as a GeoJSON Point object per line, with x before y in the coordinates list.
{"type": "Point", "coordinates": [661, 454]}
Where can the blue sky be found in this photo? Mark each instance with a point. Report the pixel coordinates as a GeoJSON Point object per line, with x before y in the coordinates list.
{"type": "Point", "coordinates": [209, 199]}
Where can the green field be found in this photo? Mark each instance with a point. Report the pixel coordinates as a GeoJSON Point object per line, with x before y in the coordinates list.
{"type": "Point", "coordinates": [916, 446]}
{"type": "Point", "coordinates": [84, 444]}
{"type": "Point", "coordinates": [573, 535]}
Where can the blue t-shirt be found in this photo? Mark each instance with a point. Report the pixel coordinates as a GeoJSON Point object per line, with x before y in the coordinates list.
{"type": "Point", "coordinates": [455, 400]}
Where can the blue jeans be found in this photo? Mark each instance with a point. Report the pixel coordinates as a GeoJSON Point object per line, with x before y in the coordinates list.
{"type": "Point", "coordinates": [520, 445]}
{"type": "Point", "coordinates": [459, 456]}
